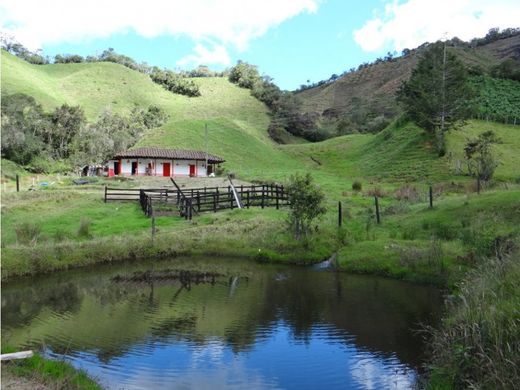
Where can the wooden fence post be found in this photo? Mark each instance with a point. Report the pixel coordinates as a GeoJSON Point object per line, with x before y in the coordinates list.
{"type": "Point", "coordinates": [277, 199]}
{"type": "Point", "coordinates": [17, 183]}
{"type": "Point", "coordinates": [431, 197]}
{"type": "Point", "coordinates": [378, 217]}
{"type": "Point", "coordinates": [340, 214]}
{"type": "Point", "coordinates": [214, 202]}
{"type": "Point", "coordinates": [153, 228]}
{"type": "Point", "coordinates": [248, 198]}
{"type": "Point", "coordinates": [263, 195]}
{"type": "Point", "coordinates": [198, 201]}
{"type": "Point", "coordinates": [190, 209]}
{"type": "Point", "coordinates": [105, 193]}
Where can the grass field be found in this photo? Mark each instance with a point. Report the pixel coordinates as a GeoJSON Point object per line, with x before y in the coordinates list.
{"type": "Point", "coordinates": [59, 226]}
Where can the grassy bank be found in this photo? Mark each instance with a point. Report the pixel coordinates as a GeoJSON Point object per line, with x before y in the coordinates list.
{"type": "Point", "coordinates": [40, 372]}
{"type": "Point", "coordinates": [478, 343]}
{"type": "Point", "coordinates": [45, 231]}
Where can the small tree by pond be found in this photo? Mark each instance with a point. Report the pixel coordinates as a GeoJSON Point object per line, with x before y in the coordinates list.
{"type": "Point", "coordinates": [306, 203]}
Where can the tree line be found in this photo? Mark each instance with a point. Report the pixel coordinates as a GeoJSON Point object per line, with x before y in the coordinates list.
{"type": "Point", "coordinates": [62, 140]}
{"type": "Point", "coordinates": [285, 106]}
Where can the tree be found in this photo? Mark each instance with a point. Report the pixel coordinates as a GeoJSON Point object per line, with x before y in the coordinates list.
{"type": "Point", "coordinates": [306, 203]}
{"type": "Point", "coordinates": [23, 123]}
{"type": "Point", "coordinates": [480, 159]}
{"type": "Point", "coordinates": [66, 124]}
{"type": "Point", "coordinates": [437, 95]}
{"type": "Point", "coordinates": [244, 75]}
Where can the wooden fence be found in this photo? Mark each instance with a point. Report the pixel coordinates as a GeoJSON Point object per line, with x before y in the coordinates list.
{"type": "Point", "coordinates": [187, 202]}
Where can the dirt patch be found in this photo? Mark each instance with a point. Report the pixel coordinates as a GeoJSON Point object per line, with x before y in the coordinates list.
{"type": "Point", "coordinates": [13, 382]}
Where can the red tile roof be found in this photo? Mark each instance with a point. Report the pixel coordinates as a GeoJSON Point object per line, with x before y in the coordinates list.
{"type": "Point", "coordinates": [175, 154]}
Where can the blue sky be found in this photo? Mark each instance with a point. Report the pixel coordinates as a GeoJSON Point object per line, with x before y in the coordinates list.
{"type": "Point", "coordinates": [290, 40]}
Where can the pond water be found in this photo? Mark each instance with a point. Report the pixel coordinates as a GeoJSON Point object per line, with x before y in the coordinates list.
{"type": "Point", "coordinates": [224, 324]}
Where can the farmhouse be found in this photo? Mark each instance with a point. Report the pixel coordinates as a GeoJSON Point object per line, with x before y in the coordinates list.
{"type": "Point", "coordinates": [163, 162]}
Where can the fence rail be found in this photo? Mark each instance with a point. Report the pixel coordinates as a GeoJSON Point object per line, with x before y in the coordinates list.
{"type": "Point", "coordinates": [186, 202]}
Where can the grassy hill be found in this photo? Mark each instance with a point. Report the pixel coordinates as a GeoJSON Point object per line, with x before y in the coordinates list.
{"type": "Point", "coordinates": [237, 122]}
{"type": "Point", "coordinates": [237, 126]}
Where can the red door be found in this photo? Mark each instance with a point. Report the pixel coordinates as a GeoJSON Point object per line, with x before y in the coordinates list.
{"type": "Point", "coordinates": [192, 171]}
{"type": "Point", "coordinates": [166, 169]}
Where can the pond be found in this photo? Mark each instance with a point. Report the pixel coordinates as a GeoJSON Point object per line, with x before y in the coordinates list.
{"type": "Point", "coordinates": [224, 324]}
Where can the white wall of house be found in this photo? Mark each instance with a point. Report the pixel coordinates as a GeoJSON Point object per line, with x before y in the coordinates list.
{"type": "Point", "coordinates": [177, 167]}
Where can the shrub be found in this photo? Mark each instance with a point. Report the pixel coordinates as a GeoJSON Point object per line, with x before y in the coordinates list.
{"type": "Point", "coordinates": [376, 191]}
{"type": "Point", "coordinates": [306, 201]}
{"type": "Point", "coordinates": [444, 231]}
{"type": "Point", "coordinates": [59, 235]}
{"type": "Point", "coordinates": [27, 233]}
{"type": "Point", "coordinates": [409, 233]}
{"type": "Point", "coordinates": [407, 193]}
{"type": "Point", "coordinates": [84, 228]}
{"type": "Point", "coordinates": [357, 186]}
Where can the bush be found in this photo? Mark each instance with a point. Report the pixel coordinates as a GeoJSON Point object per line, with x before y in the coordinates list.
{"type": "Point", "coordinates": [357, 186]}
{"type": "Point", "coordinates": [27, 233]}
{"type": "Point", "coordinates": [306, 201]}
{"type": "Point", "coordinates": [84, 228]}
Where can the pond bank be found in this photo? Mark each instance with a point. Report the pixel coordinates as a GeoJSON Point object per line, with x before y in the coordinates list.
{"type": "Point", "coordinates": [39, 373]}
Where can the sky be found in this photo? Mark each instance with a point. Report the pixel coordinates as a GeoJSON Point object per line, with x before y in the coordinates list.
{"type": "Point", "coordinates": [293, 41]}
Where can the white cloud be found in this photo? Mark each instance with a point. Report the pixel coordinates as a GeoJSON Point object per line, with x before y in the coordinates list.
{"type": "Point", "coordinates": [409, 24]}
{"type": "Point", "coordinates": [227, 22]}
{"type": "Point", "coordinates": [216, 55]}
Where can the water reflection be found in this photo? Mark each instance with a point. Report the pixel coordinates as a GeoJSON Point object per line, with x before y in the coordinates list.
{"type": "Point", "coordinates": [260, 326]}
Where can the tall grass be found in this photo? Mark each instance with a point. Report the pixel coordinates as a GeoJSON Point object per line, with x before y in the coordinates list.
{"type": "Point", "coordinates": [27, 233]}
{"type": "Point", "coordinates": [478, 344]}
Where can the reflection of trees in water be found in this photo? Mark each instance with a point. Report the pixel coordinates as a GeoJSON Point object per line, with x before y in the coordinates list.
{"type": "Point", "coordinates": [377, 312]}
{"type": "Point", "coordinates": [21, 305]}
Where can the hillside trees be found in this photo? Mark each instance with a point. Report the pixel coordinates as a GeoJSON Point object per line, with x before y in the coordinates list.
{"type": "Point", "coordinates": [62, 139]}
{"type": "Point", "coordinates": [23, 123]}
{"type": "Point", "coordinates": [285, 106]}
{"type": "Point", "coordinates": [437, 95]}
{"type": "Point", "coordinates": [174, 82]}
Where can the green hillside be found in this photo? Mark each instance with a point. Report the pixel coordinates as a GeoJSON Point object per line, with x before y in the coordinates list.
{"type": "Point", "coordinates": [237, 122]}
{"type": "Point", "coordinates": [237, 125]}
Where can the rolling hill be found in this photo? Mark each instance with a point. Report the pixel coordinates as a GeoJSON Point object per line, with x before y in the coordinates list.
{"type": "Point", "coordinates": [237, 122]}
{"type": "Point", "coordinates": [237, 125]}
{"type": "Point", "coordinates": [370, 91]}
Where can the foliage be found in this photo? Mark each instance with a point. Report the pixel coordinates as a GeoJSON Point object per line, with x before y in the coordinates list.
{"type": "Point", "coordinates": [306, 202]}
{"type": "Point", "coordinates": [68, 59]}
{"type": "Point", "coordinates": [479, 157]}
{"type": "Point", "coordinates": [507, 69]}
{"type": "Point", "coordinates": [12, 46]}
{"type": "Point", "coordinates": [66, 122]}
{"type": "Point", "coordinates": [436, 95]}
{"type": "Point", "coordinates": [356, 185]}
{"type": "Point", "coordinates": [23, 123]}
{"type": "Point", "coordinates": [174, 82]}
{"type": "Point", "coordinates": [477, 345]}
{"type": "Point", "coordinates": [47, 143]}
{"type": "Point", "coordinates": [244, 75]}
{"type": "Point", "coordinates": [84, 228]}
{"type": "Point", "coordinates": [27, 233]}
{"type": "Point", "coordinates": [497, 99]}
